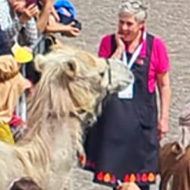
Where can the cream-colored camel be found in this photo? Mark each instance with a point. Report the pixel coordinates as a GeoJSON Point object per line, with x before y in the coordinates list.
{"type": "Point", "coordinates": [71, 87]}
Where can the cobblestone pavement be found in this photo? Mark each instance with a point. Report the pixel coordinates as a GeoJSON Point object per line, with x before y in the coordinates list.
{"type": "Point", "coordinates": [170, 19]}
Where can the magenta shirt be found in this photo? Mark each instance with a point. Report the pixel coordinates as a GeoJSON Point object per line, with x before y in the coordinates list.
{"type": "Point", "coordinates": [159, 59]}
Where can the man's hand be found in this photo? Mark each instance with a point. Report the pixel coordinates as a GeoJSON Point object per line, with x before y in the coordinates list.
{"type": "Point", "coordinates": [18, 6]}
{"type": "Point", "coordinates": [70, 30]}
{"type": "Point", "coordinates": [28, 13]}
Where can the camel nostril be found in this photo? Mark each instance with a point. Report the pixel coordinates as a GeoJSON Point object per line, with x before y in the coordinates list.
{"type": "Point", "coordinates": [102, 74]}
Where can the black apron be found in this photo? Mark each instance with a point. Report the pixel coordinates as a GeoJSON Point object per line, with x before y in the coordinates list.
{"type": "Point", "coordinates": [124, 144]}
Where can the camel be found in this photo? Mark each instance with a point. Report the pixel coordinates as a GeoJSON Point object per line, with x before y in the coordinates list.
{"type": "Point", "coordinates": [72, 86]}
{"type": "Point", "coordinates": [175, 157]}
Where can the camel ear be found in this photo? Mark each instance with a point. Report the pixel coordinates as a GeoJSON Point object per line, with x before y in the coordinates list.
{"type": "Point", "coordinates": [39, 63]}
{"type": "Point", "coordinates": [71, 68]}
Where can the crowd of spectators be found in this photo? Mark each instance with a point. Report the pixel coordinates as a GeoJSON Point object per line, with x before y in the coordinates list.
{"type": "Point", "coordinates": [22, 22]}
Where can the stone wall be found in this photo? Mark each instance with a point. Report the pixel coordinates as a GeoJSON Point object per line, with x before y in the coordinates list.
{"type": "Point", "coordinates": [170, 19]}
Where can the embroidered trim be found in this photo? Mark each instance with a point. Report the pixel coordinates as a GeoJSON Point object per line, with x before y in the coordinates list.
{"type": "Point", "coordinates": [149, 177]}
{"type": "Point", "coordinates": [107, 177]}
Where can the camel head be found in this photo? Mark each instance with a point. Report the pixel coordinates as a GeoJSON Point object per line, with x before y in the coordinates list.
{"type": "Point", "coordinates": [86, 78]}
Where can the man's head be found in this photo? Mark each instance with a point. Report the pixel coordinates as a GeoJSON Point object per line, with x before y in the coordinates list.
{"type": "Point", "coordinates": [132, 16]}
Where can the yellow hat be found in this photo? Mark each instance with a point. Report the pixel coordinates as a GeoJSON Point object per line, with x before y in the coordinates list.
{"type": "Point", "coordinates": [22, 55]}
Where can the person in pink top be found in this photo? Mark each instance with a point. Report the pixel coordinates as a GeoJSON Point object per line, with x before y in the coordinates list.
{"type": "Point", "coordinates": [124, 143]}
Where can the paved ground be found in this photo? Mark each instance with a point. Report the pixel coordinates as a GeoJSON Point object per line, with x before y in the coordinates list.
{"type": "Point", "coordinates": [169, 19]}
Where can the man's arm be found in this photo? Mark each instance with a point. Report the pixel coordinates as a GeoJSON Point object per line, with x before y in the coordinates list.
{"type": "Point", "coordinates": [67, 30]}
{"type": "Point", "coordinates": [165, 95]}
{"type": "Point", "coordinates": [43, 18]}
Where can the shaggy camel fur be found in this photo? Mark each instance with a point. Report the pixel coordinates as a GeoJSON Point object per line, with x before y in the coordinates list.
{"type": "Point", "coordinates": [175, 167]}
{"type": "Point", "coordinates": [71, 87]}
{"type": "Point", "coordinates": [175, 157]}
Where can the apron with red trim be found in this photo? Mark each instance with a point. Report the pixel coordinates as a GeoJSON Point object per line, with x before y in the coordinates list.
{"type": "Point", "coordinates": [124, 144]}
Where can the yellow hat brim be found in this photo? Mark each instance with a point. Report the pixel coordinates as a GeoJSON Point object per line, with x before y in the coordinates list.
{"type": "Point", "coordinates": [23, 55]}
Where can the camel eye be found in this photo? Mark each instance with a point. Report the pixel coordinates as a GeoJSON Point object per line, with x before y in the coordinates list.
{"type": "Point", "coordinates": [102, 74]}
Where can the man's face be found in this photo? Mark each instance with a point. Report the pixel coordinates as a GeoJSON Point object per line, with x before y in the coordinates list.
{"type": "Point", "coordinates": [128, 27]}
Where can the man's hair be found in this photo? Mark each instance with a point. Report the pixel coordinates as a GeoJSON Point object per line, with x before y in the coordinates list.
{"type": "Point", "coordinates": [25, 183]}
{"type": "Point", "coordinates": [133, 7]}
